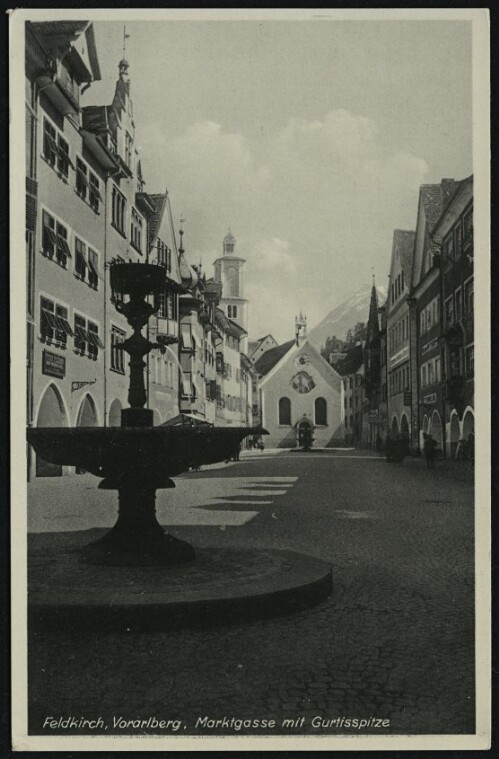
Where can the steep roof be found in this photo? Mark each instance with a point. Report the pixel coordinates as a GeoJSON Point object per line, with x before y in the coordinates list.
{"type": "Point", "coordinates": [269, 359]}
{"type": "Point", "coordinates": [403, 240]}
{"type": "Point", "coordinates": [435, 198]}
{"type": "Point", "coordinates": [158, 201]}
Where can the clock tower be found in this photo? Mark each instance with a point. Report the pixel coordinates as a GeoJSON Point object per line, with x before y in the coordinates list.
{"type": "Point", "coordinates": [229, 271]}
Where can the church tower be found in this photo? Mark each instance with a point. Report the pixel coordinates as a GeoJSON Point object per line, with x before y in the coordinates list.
{"type": "Point", "coordinates": [229, 271]}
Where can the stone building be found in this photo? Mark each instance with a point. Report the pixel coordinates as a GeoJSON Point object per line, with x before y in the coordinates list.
{"type": "Point", "coordinates": [299, 390]}
{"type": "Point", "coordinates": [453, 232]}
{"type": "Point", "coordinates": [425, 294]}
{"type": "Point", "coordinates": [400, 336]}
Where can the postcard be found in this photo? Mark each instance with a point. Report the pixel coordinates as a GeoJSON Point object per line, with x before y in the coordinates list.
{"type": "Point", "coordinates": [251, 422]}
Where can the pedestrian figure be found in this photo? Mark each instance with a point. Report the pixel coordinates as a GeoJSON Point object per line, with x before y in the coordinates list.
{"type": "Point", "coordinates": [429, 448]}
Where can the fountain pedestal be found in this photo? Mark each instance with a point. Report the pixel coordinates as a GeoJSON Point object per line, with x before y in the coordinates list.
{"type": "Point", "coordinates": [137, 539]}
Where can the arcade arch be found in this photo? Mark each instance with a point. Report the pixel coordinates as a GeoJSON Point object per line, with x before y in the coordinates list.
{"type": "Point", "coordinates": [51, 413]}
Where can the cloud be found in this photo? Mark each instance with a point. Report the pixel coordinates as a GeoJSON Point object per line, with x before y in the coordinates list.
{"type": "Point", "coordinates": [313, 206]}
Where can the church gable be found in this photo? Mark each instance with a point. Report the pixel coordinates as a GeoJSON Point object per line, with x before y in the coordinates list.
{"type": "Point", "coordinates": [301, 369]}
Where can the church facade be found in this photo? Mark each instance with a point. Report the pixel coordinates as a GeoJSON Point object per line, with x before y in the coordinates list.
{"type": "Point", "coordinates": [299, 391]}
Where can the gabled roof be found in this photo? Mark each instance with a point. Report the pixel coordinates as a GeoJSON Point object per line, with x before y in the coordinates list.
{"type": "Point", "coordinates": [269, 359]}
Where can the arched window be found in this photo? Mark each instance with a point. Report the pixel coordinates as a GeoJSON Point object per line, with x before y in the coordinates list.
{"type": "Point", "coordinates": [321, 411]}
{"type": "Point", "coordinates": [284, 411]}
{"type": "Point", "coordinates": [229, 311]}
{"type": "Point", "coordinates": [234, 311]}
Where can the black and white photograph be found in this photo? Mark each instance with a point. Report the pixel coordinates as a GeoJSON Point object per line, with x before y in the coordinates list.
{"type": "Point", "coordinates": [250, 447]}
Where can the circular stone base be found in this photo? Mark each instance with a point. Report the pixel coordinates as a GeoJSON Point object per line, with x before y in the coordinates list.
{"type": "Point", "coordinates": [222, 585]}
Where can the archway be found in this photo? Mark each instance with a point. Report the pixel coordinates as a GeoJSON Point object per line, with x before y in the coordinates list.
{"type": "Point", "coordinates": [454, 433]}
{"type": "Point", "coordinates": [404, 426]}
{"type": "Point", "coordinates": [114, 418]}
{"type": "Point", "coordinates": [395, 428]}
{"type": "Point", "coordinates": [50, 414]}
{"type": "Point", "coordinates": [436, 428]}
{"type": "Point", "coordinates": [87, 417]}
{"type": "Point", "coordinates": [468, 423]}
{"type": "Point", "coordinates": [87, 414]}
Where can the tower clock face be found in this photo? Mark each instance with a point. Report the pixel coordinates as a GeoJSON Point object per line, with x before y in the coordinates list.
{"type": "Point", "coordinates": [302, 382]}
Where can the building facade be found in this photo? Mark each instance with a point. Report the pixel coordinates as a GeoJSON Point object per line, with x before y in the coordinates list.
{"type": "Point", "coordinates": [299, 391]}
{"type": "Point", "coordinates": [454, 233]}
{"type": "Point", "coordinates": [400, 337]}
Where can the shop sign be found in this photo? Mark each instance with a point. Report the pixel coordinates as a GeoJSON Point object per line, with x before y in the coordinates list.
{"type": "Point", "coordinates": [53, 364]}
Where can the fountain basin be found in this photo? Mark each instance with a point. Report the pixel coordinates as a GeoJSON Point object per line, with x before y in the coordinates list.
{"type": "Point", "coordinates": [150, 452]}
{"type": "Point", "coordinates": [136, 461]}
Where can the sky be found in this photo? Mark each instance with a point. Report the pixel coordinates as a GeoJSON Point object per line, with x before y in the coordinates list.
{"type": "Point", "coordinates": [309, 139]}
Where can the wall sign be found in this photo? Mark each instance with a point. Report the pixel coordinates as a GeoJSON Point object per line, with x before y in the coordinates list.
{"type": "Point", "coordinates": [53, 364]}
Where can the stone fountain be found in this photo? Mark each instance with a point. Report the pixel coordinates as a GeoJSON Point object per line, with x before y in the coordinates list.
{"type": "Point", "coordinates": [137, 459]}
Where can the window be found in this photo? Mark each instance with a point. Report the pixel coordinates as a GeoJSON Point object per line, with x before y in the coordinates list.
{"type": "Point", "coordinates": [321, 411]}
{"type": "Point", "coordinates": [136, 231]}
{"type": "Point", "coordinates": [48, 235]}
{"type": "Point", "coordinates": [229, 311]}
{"type": "Point", "coordinates": [94, 196]}
{"type": "Point", "coordinates": [63, 159]}
{"type": "Point", "coordinates": [55, 149]}
{"type": "Point", "coordinates": [86, 337]}
{"type": "Point", "coordinates": [458, 304]}
{"type": "Point", "coordinates": [87, 264]}
{"type": "Point", "coordinates": [187, 390]}
{"type": "Point", "coordinates": [449, 248]}
{"type": "Point", "coordinates": [80, 259]}
{"type": "Point", "coordinates": [62, 248]}
{"type": "Point", "coordinates": [234, 311]}
{"type": "Point", "coordinates": [118, 210]}
{"type": "Point", "coordinates": [94, 342]}
{"type": "Point", "coordinates": [284, 411]}
{"type": "Point", "coordinates": [423, 375]}
{"type": "Point", "coordinates": [54, 325]}
{"type": "Point", "coordinates": [470, 361]}
{"type": "Point", "coordinates": [164, 255]}
{"type": "Point", "coordinates": [49, 143]}
{"type": "Point", "coordinates": [128, 149]}
{"type": "Point", "coordinates": [437, 370]}
{"type": "Point", "coordinates": [93, 269]}
{"type": "Point", "coordinates": [468, 298]}
{"type": "Point", "coordinates": [81, 179]}
{"type": "Point", "coordinates": [422, 322]}
{"type": "Point", "coordinates": [449, 311]}
{"type": "Point", "coordinates": [117, 354]}
{"type": "Point", "coordinates": [186, 337]}
{"type": "Point", "coordinates": [80, 334]}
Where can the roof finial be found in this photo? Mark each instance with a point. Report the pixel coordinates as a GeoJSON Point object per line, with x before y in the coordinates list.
{"type": "Point", "coordinates": [181, 233]}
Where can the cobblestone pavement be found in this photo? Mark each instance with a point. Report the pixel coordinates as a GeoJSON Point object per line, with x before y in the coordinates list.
{"type": "Point", "coordinates": [395, 640]}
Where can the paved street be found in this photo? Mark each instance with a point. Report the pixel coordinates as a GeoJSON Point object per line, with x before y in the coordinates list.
{"type": "Point", "coordinates": [395, 640]}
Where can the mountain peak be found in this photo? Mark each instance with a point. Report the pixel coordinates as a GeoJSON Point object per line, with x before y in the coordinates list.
{"type": "Point", "coordinates": [345, 316]}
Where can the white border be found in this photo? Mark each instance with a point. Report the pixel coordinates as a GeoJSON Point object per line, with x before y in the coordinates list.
{"type": "Point", "coordinates": [481, 158]}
